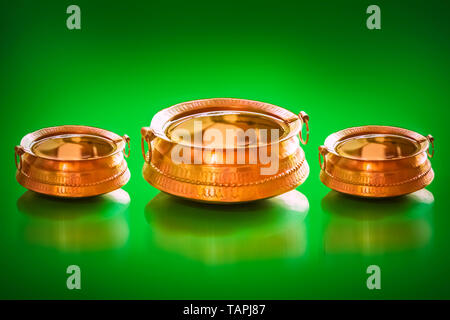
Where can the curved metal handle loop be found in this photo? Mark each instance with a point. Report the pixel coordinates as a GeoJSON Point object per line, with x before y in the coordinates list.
{"type": "Point", "coordinates": [147, 136]}
{"type": "Point", "coordinates": [126, 138]}
{"type": "Point", "coordinates": [18, 151]}
{"type": "Point", "coordinates": [305, 119]}
{"type": "Point", "coordinates": [430, 139]}
{"type": "Point", "coordinates": [322, 153]}
{"type": "Point", "coordinates": [146, 159]}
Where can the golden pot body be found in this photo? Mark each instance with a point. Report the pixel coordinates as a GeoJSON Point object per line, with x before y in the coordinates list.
{"type": "Point", "coordinates": [214, 178]}
{"type": "Point", "coordinates": [376, 161]}
{"type": "Point", "coordinates": [72, 161]}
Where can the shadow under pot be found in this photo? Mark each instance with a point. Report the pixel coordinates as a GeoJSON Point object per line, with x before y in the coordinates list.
{"type": "Point", "coordinates": [376, 161]}
{"type": "Point", "coordinates": [225, 150]}
{"type": "Point", "coordinates": [72, 161]}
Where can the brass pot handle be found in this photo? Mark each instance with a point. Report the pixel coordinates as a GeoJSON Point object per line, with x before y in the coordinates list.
{"type": "Point", "coordinates": [147, 136]}
{"type": "Point", "coordinates": [126, 138]}
{"type": "Point", "coordinates": [322, 153]}
{"type": "Point", "coordinates": [305, 119]}
{"type": "Point", "coordinates": [430, 139]}
{"type": "Point", "coordinates": [18, 151]}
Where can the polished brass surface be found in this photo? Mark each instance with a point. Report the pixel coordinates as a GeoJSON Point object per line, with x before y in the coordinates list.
{"type": "Point", "coordinates": [226, 121]}
{"type": "Point", "coordinates": [377, 147]}
{"type": "Point", "coordinates": [72, 161]}
{"type": "Point", "coordinates": [213, 179]}
{"type": "Point", "coordinates": [376, 161]}
{"type": "Point", "coordinates": [73, 147]}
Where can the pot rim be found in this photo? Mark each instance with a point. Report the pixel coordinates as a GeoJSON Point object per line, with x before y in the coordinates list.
{"type": "Point", "coordinates": [164, 117]}
{"type": "Point", "coordinates": [333, 140]}
{"type": "Point", "coordinates": [28, 140]}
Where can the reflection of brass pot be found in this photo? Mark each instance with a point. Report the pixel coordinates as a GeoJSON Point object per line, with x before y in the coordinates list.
{"type": "Point", "coordinates": [376, 161]}
{"type": "Point", "coordinates": [72, 161]}
{"type": "Point", "coordinates": [84, 224]}
{"type": "Point", "coordinates": [377, 226]}
{"type": "Point", "coordinates": [204, 174]}
{"type": "Point", "coordinates": [220, 234]}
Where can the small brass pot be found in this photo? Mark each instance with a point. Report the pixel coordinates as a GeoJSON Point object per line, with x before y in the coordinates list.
{"type": "Point", "coordinates": [376, 161]}
{"type": "Point", "coordinates": [72, 161]}
{"type": "Point", "coordinates": [212, 179]}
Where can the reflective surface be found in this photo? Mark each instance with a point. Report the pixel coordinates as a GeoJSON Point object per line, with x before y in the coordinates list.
{"type": "Point", "coordinates": [376, 161]}
{"type": "Point", "coordinates": [216, 234]}
{"type": "Point", "coordinates": [72, 161]}
{"type": "Point", "coordinates": [377, 147]}
{"type": "Point", "coordinates": [133, 58]}
{"type": "Point", "coordinates": [73, 147]}
{"type": "Point", "coordinates": [378, 226]}
{"type": "Point", "coordinates": [222, 129]}
{"type": "Point", "coordinates": [88, 224]}
{"type": "Point", "coordinates": [217, 175]}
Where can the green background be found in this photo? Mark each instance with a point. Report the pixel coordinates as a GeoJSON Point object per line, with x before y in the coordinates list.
{"type": "Point", "coordinates": [133, 58]}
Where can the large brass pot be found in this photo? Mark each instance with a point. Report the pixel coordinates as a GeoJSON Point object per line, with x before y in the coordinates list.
{"type": "Point", "coordinates": [72, 161]}
{"type": "Point", "coordinates": [376, 161]}
{"type": "Point", "coordinates": [212, 179]}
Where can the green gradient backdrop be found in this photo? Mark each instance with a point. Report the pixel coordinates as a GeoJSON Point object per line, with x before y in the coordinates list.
{"type": "Point", "coordinates": [133, 58]}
